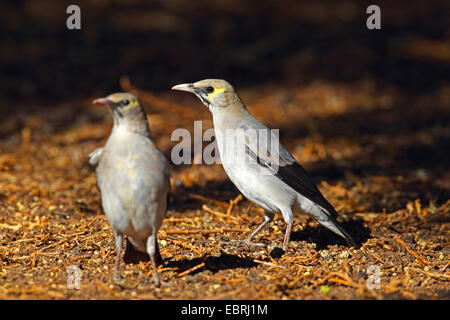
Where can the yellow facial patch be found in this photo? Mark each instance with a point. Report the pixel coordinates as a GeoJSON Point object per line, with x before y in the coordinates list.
{"type": "Point", "coordinates": [216, 91]}
{"type": "Point", "coordinates": [132, 104]}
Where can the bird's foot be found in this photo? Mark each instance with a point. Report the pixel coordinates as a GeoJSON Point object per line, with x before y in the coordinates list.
{"type": "Point", "coordinates": [250, 243]}
{"type": "Point", "coordinates": [158, 282]}
{"type": "Point", "coordinates": [118, 279]}
{"type": "Point", "coordinates": [246, 242]}
{"type": "Point", "coordinates": [164, 284]}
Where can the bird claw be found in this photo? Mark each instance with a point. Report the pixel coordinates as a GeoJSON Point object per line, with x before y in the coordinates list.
{"type": "Point", "coordinates": [164, 284]}
{"type": "Point", "coordinates": [158, 282]}
{"type": "Point", "coordinates": [248, 242]}
{"type": "Point", "coordinates": [118, 279]}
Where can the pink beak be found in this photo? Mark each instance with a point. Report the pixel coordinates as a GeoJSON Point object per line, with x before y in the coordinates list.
{"type": "Point", "coordinates": [101, 101]}
{"type": "Point", "coordinates": [188, 87]}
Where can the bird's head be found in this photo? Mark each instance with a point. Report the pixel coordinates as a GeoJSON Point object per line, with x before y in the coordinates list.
{"type": "Point", "coordinates": [214, 93]}
{"type": "Point", "coordinates": [123, 104]}
{"type": "Point", "coordinates": [127, 110]}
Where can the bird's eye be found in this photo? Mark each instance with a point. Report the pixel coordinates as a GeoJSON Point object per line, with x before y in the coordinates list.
{"type": "Point", "coordinates": [125, 102]}
{"type": "Point", "coordinates": [210, 89]}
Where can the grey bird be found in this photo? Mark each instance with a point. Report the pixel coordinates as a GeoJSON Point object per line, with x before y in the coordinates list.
{"type": "Point", "coordinates": [264, 171]}
{"type": "Point", "coordinates": [133, 178]}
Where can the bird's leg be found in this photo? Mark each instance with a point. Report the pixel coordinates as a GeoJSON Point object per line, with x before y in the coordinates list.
{"type": "Point", "coordinates": [118, 237]}
{"type": "Point", "coordinates": [287, 236]}
{"type": "Point", "coordinates": [153, 251]}
{"type": "Point", "coordinates": [267, 218]}
{"type": "Point", "coordinates": [159, 260]}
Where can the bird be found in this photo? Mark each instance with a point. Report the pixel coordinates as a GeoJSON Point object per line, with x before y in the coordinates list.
{"type": "Point", "coordinates": [133, 179]}
{"type": "Point", "coordinates": [259, 165]}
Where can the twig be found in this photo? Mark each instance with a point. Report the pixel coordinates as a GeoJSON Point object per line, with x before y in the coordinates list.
{"type": "Point", "coordinates": [248, 208]}
{"type": "Point", "coordinates": [259, 209]}
{"type": "Point", "coordinates": [311, 256]}
{"type": "Point", "coordinates": [234, 202]}
{"type": "Point", "coordinates": [167, 269]}
{"type": "Point", "coordinates": [344, 282]}
{"type": "Point", "coordinates": [269, 264]}
{"type": "Point", "coordinates": [222, 279]}
{"type": "Point", "coordinates": [212, 278]}
{"type": "Point", "coordinates": [300, 276]}
{"type": "Point", "coordinates": [415, 255]}
{"type": "Point", "coordinates": [146, 265]}
{"type": "Point", "coordinates": [434, 275]}
{"type": "Point", "coordinates": [219, 214]}
{"type": "Point", "coordinates": [201, 265]}
{"type": "Point", "coordinates": [33, 254]}
{"type": "Point", "coordinates": [183, 244]}
{"type": "Point", "coordinates": [176, 220]}
{"type": "Point", "coordinates": [236, 280]}
{"type": "Point", "coordinates": [216, 202]}
{"type": "Point", "coordinates": [160, 269]}
{"type": "Point", "coordinates": [320, 281]}
{"type": "Point", "coordinates": [375, 256]}
{"type": "Point", "coordinates": [11, 227]}
{"type": "Point", "coordinates": [288, 259]}
{"type": "Point", "coordinates": [106, 288]}
{"type": "Point", "coordinates": [204, 231]}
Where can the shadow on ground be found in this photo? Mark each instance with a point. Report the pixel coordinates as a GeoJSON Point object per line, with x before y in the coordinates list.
{"type": "Point", "coordinates": [223, 262]}
{"type": "Point", "coordinates": [323, 237]}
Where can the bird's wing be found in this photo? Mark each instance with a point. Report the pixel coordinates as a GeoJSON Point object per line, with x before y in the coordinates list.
{"type": "Point", "coordinates": [95, 156]}
{"type": "Point", "coordinates": [269, 153]}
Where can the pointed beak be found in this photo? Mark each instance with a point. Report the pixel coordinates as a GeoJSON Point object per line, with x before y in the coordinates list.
{"type": "Point", "coordinates": [101, 101]}
{"type": "Point", "coordinates": [188, 87]}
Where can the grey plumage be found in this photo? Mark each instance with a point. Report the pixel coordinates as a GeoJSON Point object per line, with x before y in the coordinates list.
{"type": "Point", "coordinates": [265, 173]}
{"type": "Point", "coordinates": [133, 178]}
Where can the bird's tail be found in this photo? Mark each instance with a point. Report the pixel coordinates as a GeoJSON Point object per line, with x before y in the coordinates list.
{"type": "Point", "coordinates": [332, 224]}
{"type": "Point", "coordinates": [345, 234]}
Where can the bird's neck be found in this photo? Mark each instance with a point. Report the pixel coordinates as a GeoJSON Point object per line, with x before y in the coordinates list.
{"type": "Point", "coordinates": [136, 123]}
{"type": "Point", "coordinates": [228, 117]}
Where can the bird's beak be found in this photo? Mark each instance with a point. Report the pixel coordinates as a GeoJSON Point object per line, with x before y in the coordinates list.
{"type": "Point", "coordinates": [101, 101]}
{"type": "Point", "coordinates": [188, 87]}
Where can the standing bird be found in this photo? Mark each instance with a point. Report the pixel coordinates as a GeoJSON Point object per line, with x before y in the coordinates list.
{"type": "Point", "coordinates": [261, 167]}
{"type": "Point", "coordinates": [133, 178]}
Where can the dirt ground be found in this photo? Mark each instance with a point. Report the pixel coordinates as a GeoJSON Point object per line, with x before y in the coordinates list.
{"type": "Point", "coordinates": [379, 155]}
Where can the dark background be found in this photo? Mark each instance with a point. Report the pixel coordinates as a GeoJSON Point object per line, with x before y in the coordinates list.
{"type": "Point", "coordinates": [161, 43]}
